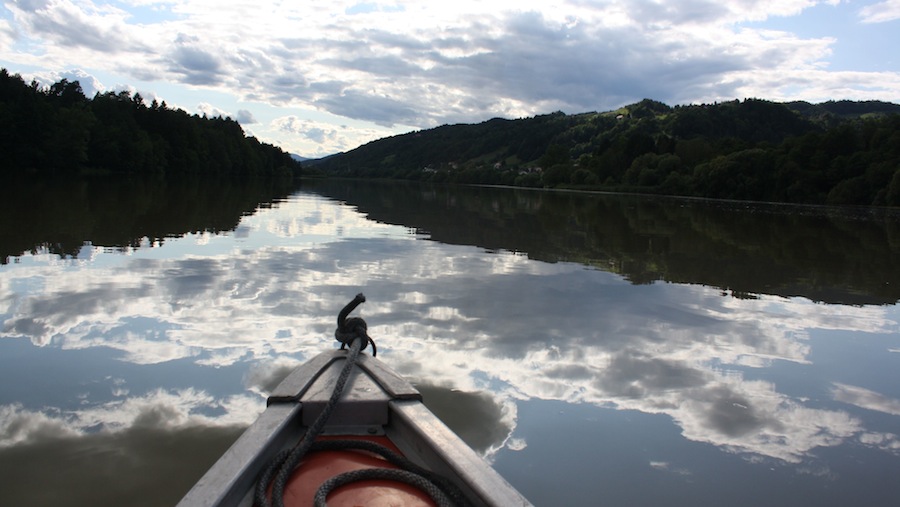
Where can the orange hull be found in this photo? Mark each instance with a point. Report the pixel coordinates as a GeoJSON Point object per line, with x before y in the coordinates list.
{"type": "Point", "coordinates": [319, 466]}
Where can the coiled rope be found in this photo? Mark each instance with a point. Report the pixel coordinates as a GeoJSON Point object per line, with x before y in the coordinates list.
{"type": "Point", "coordinates": [348, 330]}
{"type": "Point", "coordinates": [352, 332]}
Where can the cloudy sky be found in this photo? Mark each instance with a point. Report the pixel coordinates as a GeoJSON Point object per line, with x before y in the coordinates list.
{"type": "Point", "coordinates": [320, 77]}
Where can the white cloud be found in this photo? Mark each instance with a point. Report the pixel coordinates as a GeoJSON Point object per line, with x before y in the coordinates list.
{"type": "Point", "coordinates": [90, 85]}
{"type": "Point", "coordinates": [196, 62]}
{"type": "Point", "coordinates": [96, 27]}
{"type": "Point", "coordinates": [205, 108]}
{"type": "Point", "coordinates": [407, 64]}
{"type": "Point", "coordinates": [319, 138]}
{"type": "Point", "coordinates": [880, 12]}
{"type": "Point", "coordinates": [245, 117]}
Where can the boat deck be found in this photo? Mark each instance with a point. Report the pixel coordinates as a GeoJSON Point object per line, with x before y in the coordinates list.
{"type": "Point", "coordinates": [378, 405]}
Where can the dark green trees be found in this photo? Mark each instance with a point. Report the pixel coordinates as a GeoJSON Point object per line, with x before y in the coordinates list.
{"type": "Point", "coordinates": [59, 130]}
{"type": "Point", "coordinates": [832, 153]}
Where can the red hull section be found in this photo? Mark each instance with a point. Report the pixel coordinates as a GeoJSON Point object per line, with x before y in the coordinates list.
{"type": "Point", "coordinates": [319, 466]}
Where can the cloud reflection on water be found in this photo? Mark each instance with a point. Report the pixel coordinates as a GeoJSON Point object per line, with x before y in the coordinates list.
{"type": "Point", "coordinates": [126, 467]}
{"type": "Point", "coordinates": [447, 315]}
{"type": "Point", "coordinates": [866, 398]}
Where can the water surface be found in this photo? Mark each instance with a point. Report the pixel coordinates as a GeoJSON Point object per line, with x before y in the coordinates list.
{"type": "Point", "coordinates": [598, 349]}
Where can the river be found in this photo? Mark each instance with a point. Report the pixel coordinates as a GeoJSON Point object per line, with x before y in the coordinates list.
{"type": "Point", "coordinates": [597, 349]}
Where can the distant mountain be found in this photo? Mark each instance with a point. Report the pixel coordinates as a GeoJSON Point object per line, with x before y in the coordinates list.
{"type": "Point", "coordinates": [831, 153]}
{"type": "Point", "coordinates": [316, 161]}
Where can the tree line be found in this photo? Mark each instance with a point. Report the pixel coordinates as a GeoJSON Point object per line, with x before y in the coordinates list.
{"type": "Point", "coordinates": [839, 152]}
{"type": "Point", "coordinates": [58, 130]}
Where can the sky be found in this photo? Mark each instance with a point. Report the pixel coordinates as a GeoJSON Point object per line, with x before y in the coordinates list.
{"type": "Point", "coordinates": [317, 78]}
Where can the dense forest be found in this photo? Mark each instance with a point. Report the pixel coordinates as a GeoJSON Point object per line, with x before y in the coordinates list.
{"type": "Point", "coordinates": [831, 153]}
{"type": "Point", "coordinates": [841, 153]}
{"type": "Point", "coordinates": [59, 130]}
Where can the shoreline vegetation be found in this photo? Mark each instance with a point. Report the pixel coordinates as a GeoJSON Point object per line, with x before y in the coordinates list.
{"type": "Point", "coordinates": [834, 153]}
{"type": "Point", "coordinates": [58, 131]}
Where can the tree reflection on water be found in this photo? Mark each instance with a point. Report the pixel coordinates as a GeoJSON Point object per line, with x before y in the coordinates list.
{"type": "Point", "coordinates": [546, 328]}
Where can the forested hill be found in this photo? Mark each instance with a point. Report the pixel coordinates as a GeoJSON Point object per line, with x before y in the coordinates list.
{"type": "Point", "coordinates": [836, 152]}
{"type": "Point", "coordinates": [59, 130]}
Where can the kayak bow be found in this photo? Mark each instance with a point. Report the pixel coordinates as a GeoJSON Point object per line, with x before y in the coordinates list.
{"type": "Point", "coordinates": [378, 408]}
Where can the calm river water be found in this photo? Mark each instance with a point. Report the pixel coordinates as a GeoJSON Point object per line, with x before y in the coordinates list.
{"type": "Point", "coordinates": [598, 349]}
